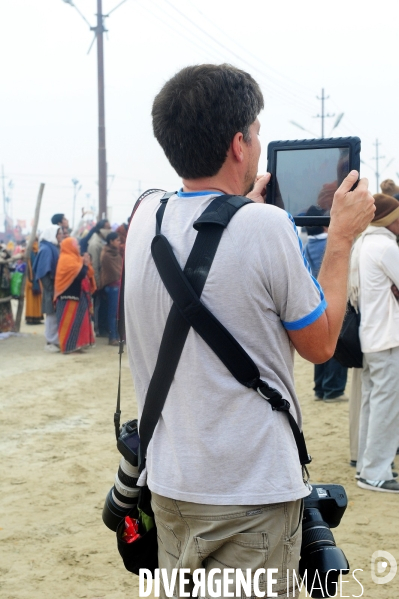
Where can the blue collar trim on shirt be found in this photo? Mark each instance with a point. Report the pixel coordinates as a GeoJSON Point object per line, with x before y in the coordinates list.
{"type": "Point", "coordinates": [192, 194]}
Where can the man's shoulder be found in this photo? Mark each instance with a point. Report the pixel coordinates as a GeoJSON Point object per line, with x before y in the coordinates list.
{"type": "Point", "coordinates": [146, 202]}
{"type": "Point", "coordinates": [263, 220]}
{"type": "Point", "coordinates": [266, 213]}
{"type": "Point", "coordinates": [151, 195]}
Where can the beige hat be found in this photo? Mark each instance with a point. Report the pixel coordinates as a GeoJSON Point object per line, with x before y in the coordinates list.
{"type": "Point", "coordinates": [389, 188]}
{"type": "Point", "coordinates": [386, 210]}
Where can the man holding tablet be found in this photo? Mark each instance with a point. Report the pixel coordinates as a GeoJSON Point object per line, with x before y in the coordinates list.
{"type": "Point", "coordinates": [222, 466]}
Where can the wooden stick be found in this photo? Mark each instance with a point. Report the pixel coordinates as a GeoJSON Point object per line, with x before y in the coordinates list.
{"type": "Point", "coordinates": [28, 251]}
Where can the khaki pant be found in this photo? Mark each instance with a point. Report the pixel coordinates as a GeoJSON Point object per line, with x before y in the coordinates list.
{"type": "Point", "coordinates": [195, 536]}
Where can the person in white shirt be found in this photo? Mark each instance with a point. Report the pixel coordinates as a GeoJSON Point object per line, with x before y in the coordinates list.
{"type": "Point", "coordinates": [222, 466]}
{"type": "Point", "coordinates": [374, 273]}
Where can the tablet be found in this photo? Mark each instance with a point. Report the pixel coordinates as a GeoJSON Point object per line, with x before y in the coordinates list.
{"type": "Point", "coordinates": [306, 173]}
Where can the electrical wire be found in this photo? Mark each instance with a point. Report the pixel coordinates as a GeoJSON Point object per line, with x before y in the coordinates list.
{"type": "Point", "coordinates": [220, 56]}
{"type": "Point", "coordinates": [181, 32]}
{"type": "Point", "coordinates": [367, 137]}
{"type": "Point", "coordinates": [115, 7]}
{"type": "Point", "coordinates": [346, 121]}
{"type": "Point", "coordinates": [77, 10]}
{"type": "Point", "coordinates": [267, 86]}
{"type": "Point", "coordinates": [263, 64]}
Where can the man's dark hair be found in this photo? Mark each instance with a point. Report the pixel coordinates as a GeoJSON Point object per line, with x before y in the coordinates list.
{"type": "Point", "coordinates": [198, 112]}
{"type": "Point", "coordinates": [57, 218]}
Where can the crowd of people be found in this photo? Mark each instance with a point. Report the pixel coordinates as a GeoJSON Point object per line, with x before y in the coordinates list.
{"type": "Point", "coordinates": [73, 284]}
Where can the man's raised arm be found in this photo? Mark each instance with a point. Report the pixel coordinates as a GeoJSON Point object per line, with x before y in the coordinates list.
{"type": "Point", "coordinates": [351, 212]}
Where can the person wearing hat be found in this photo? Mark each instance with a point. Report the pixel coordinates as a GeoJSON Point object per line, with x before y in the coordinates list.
{"type": "Point", "coordinates": [374, 273]}
{"type": "Point", "coordinates": [389, 188]}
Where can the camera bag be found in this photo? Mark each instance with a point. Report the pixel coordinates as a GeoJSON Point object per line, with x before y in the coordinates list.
{"type": "Point", "coordinates": [185, 288]}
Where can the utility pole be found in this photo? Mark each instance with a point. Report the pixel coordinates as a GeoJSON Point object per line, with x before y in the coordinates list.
{"type": "Point", "coordinates": [102, 153]}
{"type": "Point", "coordinates": [323, 116]}
{"type": "Point", "coordinates": [4, 198]}
{"type": "Point", "coordinates": [99, 30]}
{"type": "Point", "coordinates": [76, 190]}
{"type": "Point", "coordinates": [377, 158]}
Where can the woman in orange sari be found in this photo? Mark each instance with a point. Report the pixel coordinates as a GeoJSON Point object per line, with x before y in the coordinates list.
{"type": "Point", "coordinates": [72, 292]}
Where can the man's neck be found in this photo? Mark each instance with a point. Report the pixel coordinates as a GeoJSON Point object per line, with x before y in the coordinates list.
{"type": "Point", "coordinates": [226, 185]}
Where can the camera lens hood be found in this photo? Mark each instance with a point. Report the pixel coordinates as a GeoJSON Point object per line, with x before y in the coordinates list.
{"type": "Point", "coordinates": [323, 566]}
{"type": "Point", "coordinates": [113, 513]}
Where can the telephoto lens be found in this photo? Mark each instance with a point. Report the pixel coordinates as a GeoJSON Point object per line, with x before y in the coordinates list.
{"type": "Point", "coordinates": [322, 561]}
{"type": "Point", "coordinates": [122, 498]}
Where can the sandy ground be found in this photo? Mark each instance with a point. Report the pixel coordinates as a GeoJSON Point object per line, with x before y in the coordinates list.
{"type": "Point", "coordinates": [58, 460]}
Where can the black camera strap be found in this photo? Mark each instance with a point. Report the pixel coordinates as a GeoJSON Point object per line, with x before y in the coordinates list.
{"type": "Point", "coordinates": [181, 287]}
{"type": "Point", "coordinates": [185, 287]}
{"type": "Point", "coordinates": [217, 216]}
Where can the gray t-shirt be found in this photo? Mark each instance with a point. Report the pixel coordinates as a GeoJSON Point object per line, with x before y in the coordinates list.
{"type": "Point", "coordinates": [218, 442]}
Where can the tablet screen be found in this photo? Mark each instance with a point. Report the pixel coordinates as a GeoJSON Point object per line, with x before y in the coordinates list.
{"type": "Point", "coordinates": [309, 177]}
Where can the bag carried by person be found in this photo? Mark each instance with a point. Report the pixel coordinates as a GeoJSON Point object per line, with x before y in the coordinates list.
{"type": "Point", "coordinates": [185, 287]}
{"type": "Point", "coordinates": [348, 351]}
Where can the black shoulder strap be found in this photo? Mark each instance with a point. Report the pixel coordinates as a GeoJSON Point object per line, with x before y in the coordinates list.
{"type": "Point", "coordinates": [176, 330]}
{"type": "Point", "coordinates": [229, 351]}
{"type": "Point", "coordinates": [186, 287]}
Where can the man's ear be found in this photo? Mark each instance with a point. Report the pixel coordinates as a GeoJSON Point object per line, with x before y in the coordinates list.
{"type": "Point", "coordinates": [237, 147]}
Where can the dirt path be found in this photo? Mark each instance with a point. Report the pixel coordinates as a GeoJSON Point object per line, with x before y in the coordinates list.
{"type": "Point", "coordinates": [58, 461]}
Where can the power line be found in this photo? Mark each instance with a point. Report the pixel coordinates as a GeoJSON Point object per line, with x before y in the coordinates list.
{"type": "Point", "coordinates": [241, 59]}
{"type": "Point", "coordinates": [255, 57]}
{"type": "Point", "coordinates": [115, 7]}
{"type": "Point", "coordinates": [180, 32]}
{"type": "Point", "coordinates": [353, 128]}
{"type": "Point", "coordinates": [272, 86]}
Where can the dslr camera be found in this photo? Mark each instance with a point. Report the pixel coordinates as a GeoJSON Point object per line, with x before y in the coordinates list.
{"type": "Point", "coordinates": [323, 510]}
{"type": "Point", "coordinates": [123, 496]}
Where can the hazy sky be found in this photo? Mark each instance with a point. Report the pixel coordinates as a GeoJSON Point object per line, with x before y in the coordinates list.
{"type": "Point", "coordinates": [48, 117]}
